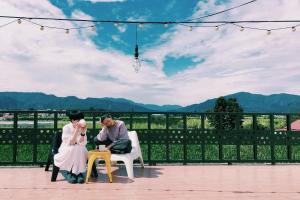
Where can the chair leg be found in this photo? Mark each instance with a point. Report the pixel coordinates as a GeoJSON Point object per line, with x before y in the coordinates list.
{"type": "Point", "coordinates": [49, 161]}
{"type": "Point", "coordinates": [91, 162]}
{"type": "Point", "coordinates": [108, 168]}
{"type": "Point", "coordinates": [142, 161]}
{"type": "Point", "coordinates": [55, 171]}
{"type": "Point", "coordinates": [94, 170]}
{"type": "Point", "coordinates": [129, 168]}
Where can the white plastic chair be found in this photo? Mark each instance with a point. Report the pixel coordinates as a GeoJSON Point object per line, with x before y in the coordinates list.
{"type": "Point", "coordinates": [128, 158]}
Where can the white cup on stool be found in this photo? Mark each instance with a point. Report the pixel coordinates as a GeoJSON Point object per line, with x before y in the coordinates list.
{"type": "Point", "coordinates": [102, 147]}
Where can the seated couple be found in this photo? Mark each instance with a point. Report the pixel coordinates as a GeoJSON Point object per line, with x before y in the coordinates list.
{"type": "Point", "coordinates": [72, 155]}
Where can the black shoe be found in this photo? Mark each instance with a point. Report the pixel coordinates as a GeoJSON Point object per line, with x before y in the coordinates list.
{"type": "Point", "coordinates": [71, 178]}
{"type": "Point", "coordinates": [80, 178]}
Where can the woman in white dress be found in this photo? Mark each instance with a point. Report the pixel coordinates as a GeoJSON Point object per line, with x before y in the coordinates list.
{"type": "Point", "coordinates": [72, 154]}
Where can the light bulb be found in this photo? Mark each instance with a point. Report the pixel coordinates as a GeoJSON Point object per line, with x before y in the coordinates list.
{"type": "Point", "coordinates": [19, 21]}
{"type": "Point", "coordinates": [217, 28]}
{"type": "Point", "coordinates": [93, 28]}
{"type": "Point", "coordinates": [136, 64]}
{"type": "Point", "coordinates": [67, 31]}
{"type": "Point", "coordinates": [42, 28]}
{"type": "Point", "coordinates": [190, 28]}
{"type": "Point", "coordinates": [166, 25]}
{"type": "Point", "coordinates": [242, 29]}
{"type": "Point", "coordinates": [293, 28]}
{"type": "Point", "coordinates": [269, 32]}
{"type": "Point", "coordinates": [116, 24]}
{"type": "Point", "coordinates": [141, 25]}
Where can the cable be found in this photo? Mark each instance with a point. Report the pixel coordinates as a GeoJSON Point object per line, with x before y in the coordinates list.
{"type": "Point", "coordinates": [223, 11]}
{"type": "Point", "coordinates": [6, 24]}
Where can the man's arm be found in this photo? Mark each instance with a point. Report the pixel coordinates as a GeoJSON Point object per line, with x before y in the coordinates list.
{"type": "Point", "coordinates": [123, 132]}
{"type": "Point", "coordinates": [102, 136]}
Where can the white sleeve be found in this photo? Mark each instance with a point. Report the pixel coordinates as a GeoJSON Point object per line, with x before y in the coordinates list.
{"type": "Point", "coordinates": [66, 135]}
{"type": "Point", "coordinates": [102, 136]}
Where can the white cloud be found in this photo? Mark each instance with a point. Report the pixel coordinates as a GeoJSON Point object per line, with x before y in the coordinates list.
{"type": "Point", "coordinates": [70, 64]}
{"type": "Point", "coordinates": [235, 61]}
{"type": "Point", "coordinates": [63, 64]}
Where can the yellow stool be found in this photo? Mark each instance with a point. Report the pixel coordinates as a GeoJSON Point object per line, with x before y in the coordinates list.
{"type": "Point", "coordinates": [92, 156]}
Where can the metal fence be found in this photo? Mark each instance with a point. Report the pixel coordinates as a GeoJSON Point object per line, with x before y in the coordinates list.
{"type": "Point", "coordinates": [26, 136]}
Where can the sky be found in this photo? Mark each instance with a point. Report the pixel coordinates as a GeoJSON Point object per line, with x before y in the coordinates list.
{"type": "Point", "coordinates": [178, 66]}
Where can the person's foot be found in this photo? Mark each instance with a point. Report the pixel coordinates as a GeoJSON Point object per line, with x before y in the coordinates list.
{"type": "Point", "coordinates": [71, 178]}
{"type": "Point", "coordinates": [80, 178]}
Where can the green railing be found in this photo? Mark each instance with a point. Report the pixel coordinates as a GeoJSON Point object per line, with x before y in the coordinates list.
{"type": "Point", "coordinates": [26, 136]}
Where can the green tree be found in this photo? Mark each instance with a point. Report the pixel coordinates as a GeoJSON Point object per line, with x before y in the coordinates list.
{"type": "Point", "coordinates": [227, 114]}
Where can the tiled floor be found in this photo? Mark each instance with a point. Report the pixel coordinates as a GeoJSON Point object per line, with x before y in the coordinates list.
{"type": "Point", "coordinates": [159, 182]}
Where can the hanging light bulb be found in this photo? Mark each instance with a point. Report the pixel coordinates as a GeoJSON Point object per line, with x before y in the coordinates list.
{"type": "Point", "coordinates": [116, 24]}
{"type": "Point", "coordinates": [141, 25]}
{"type": "Point", "coordinates": [269, 32]}
{"type": "Point", "coordinates": [19, 21]}
{"type": "Point", "coordinates": [67, 31]}
{"type": "Point", "coordinates": [217, 28]}
{"type": "Point", "coordinates": [93, 28]}
{"type": "Point", "coordinates": [242, 29]}
{"type": "Point", "coordinates": [166, 25]}
{"type": "Point", "coordinates": [42, 28]}
{"type": "Point", "coordinates": [293, 28]}
{"type": "Point", "coordinates": [136, 61]}
{"type": "Point", "coordinates": [190, 28]}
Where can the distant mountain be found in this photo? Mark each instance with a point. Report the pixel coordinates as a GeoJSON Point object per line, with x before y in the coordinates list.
{"type": "Point", "coordinates": [40, 101]}
{"type": "Point", "coordinates": [254, 103]}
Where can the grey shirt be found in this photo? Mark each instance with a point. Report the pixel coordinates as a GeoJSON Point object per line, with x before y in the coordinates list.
{"type": "Point", "coordinates": [113, 133]}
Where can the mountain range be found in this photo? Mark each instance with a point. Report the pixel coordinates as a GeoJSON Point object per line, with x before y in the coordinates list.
{"type": "Point", "coordinates": [40, 101]}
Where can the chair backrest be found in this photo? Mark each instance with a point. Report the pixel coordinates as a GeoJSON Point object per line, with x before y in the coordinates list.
{"type": "Point", "coordinates": [56, 142]}
{"type": "Point", "coordinates": [134, 139]}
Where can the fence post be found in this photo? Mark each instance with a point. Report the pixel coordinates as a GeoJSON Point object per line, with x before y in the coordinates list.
{"type": "Point", "coordinates": [149, 138]}
{"type": "Point", "coordinates": [238, 127]}
{"type": "Point", "coordinates": [202, 140]}
{"type": "Point", "coordinates": [130, 121]}
{"type": "Point", "coordinates": [15, 136]}
{"type": "Point", "coordinates": [254, 128]}
{"type": "Point", "coordinates": [272, 139]}
{"type": "Point", "coordinates": [288, 128]}
{"type": "Point", "coordinates": [168, 137]}
{"type": "Point", "coordinates": [220, 138]}
{"type": "Point", "coordinates": [35, 132]}
{"type": "Point", "coordinates": [184, 139]}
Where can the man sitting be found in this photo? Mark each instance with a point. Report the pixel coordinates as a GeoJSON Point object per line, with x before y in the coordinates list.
{"type": "Point", "coordinates": [112, 131]}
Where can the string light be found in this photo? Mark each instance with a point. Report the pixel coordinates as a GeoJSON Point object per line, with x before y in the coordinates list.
{"type": "Point", "coordinates": [189, 24]}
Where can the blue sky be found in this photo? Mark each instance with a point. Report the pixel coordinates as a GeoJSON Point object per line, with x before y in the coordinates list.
{"type": "Point", "coordinates": [178, 66]}
{"type": "Point", "coordinates": [123, 39]}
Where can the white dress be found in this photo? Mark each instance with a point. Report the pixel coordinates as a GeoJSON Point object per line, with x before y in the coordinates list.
{"type": "Point", "coordinates": [71, 156]}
